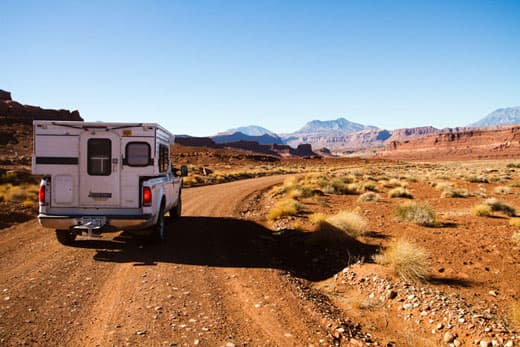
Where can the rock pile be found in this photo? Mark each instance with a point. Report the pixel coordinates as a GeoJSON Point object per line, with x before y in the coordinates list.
{"type": "Point", "coordinates": [445, 315]}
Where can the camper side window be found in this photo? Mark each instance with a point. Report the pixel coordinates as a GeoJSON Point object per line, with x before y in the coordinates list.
{"type": "Point", "coordinates": [99, 157]}
{"type": "Point", "coordinates": [164, 156]}
{"type": "Point", "coordinates": [137, 154]}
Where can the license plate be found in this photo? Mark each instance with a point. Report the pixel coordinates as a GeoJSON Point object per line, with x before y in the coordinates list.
{"type": "Point", "coordinates": [94, 222]}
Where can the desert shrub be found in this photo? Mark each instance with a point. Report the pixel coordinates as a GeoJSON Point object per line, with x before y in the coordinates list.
{"type": "Point", "coordinates": [515, 315]}
{"type": "Point", "coordinates": [407, 260]}
{"type": "Point", "coordinates": [392, 183]}
{"type": "Point", "coordinates": [9, 177]}
{"type": "Point", "coordinates": [498, 206]}
{"type": "Point", "coordinates": [283, 208]}
{"type": "Point", "coordinates": [28, 203]}
{"type": "Point", "coordinates": [348, 222]}
{"type": "Point", "coordinates": [502, 190]}
{"type": "Point", "coordinates": [477, 179]}
{"type": "Point", "coordinates": [516, 238]}
{"type": "Point", "coordinates": [369, 196]}
{"type": "Point", "coordinates": [442, 185]}
{"type": "Point", "coordinates": [192, 180]}
{"type": "Point", "coordinates": [400, 192]}
{"type": "Point", "coordinates": [17, 194]}
{"type": "Point", "coordinates": [515, 222]}
{"type": "Point", "coordinates": [454, 193]}
{"type": "Point", "coordinates": [317, 217]}
{"type": "Point", "coordinates": [420, 214]}
{"type": "Point", "coordinates": [341, 186]}
{"type": "Point", "coordinates": [481, 210]}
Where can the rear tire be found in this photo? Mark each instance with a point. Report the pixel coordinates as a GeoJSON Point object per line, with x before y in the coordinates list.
{"type": "Point", "coordinates": [176, 211]}
{"type": "Point", "coordinates": [159, 229]}
{"type": "Point", "coordinates": [66, 237]}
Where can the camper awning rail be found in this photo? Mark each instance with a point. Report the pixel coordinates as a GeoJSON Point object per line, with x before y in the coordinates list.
{"type": "Point", "coordinates": [97, 126]}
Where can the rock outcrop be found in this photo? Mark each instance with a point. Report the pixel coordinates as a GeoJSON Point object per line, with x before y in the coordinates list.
{"type": "Point", "coordinates": [190, 141]}
{"type": "Point", "coordinates": [458, 143]}
{"type": "Point", "coordinates": [278, 150]}
{"type": "Point", "coordinates": [15, 112]}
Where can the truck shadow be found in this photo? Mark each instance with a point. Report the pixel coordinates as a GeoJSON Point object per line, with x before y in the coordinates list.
{"type": "Point", "coordinates": [228, 242]}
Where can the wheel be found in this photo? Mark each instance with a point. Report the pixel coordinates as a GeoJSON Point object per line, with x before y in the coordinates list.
{"type": "Point", "coordinates": [175, 212]}
{"type": "Point", "coordinates": [65, 237]}
{"type": "Point", "coordinates": [159, 230]}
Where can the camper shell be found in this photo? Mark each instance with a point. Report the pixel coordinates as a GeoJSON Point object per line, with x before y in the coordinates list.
{"type": "Point", "coordinates": [105, 176]}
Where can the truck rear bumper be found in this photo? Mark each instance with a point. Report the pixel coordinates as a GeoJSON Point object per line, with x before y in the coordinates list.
{"type": "Point", "coordinates": [113, 222]}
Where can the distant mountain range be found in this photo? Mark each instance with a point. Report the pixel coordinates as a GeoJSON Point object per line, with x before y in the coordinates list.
{"type": "Point", "coordinates": [344, 135]}
{"type": "Point", "coordinates": [264, 139]}
{"type": "Point", "coordinates": [339, 125]}
{"type": "Point", "coordinates": [502, 116]}
{"type": "Point", "coordinates": [251, 130]}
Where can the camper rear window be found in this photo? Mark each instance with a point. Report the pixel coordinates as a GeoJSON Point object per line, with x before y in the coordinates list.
{"type": "Point", "coordinates": [137, 154]}
{"type": "Point", "coordinates": [99, 157]}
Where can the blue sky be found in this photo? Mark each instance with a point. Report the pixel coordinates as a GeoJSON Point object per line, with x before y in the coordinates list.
{"type": "Point", "coordinates": [199, 67]}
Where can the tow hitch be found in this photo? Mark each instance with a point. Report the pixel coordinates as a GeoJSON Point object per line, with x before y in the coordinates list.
{"type": "Point", "coordinates": [91, 225]}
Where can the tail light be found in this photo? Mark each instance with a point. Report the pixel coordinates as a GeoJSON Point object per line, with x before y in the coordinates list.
{"type": "Point", "coordinates": [41, 194]}
{"type": "Point", "coordinates": [147, 196]}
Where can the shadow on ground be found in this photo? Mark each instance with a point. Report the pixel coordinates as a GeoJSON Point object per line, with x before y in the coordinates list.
{"type": "Point", "coordinates": [227, 242]}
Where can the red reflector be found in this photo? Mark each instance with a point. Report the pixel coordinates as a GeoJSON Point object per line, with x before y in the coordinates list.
{"type": "Point", "coordinates": [147, 196]}
{"type": "Point", "coordinates": [41, 194]}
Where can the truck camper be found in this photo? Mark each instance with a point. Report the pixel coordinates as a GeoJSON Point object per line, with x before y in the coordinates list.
{"type": "Point", "coordinates": [101, 177]}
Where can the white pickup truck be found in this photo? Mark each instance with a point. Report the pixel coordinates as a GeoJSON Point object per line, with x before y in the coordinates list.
{"type": "Point", "coordinates": [105, 177]}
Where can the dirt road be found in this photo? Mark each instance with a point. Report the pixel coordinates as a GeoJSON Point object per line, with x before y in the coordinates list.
{"type": "Point", "coordinates": [215, 281]}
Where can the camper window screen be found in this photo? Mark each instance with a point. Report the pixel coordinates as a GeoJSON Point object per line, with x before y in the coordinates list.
{"type": "Point", "coordinates": [99, 157]}
{"type": "Point", "coordinates": [138, 154]}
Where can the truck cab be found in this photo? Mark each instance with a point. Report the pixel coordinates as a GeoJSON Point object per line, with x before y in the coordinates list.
{"type": "Point", "coordinates": [100, 177]}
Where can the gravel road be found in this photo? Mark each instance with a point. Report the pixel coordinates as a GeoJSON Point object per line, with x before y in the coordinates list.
{"type": "Point", "coordinates": [214, 282]}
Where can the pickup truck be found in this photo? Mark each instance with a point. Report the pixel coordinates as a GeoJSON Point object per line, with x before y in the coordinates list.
{"type": "Point", "coordinates": [100, 177]}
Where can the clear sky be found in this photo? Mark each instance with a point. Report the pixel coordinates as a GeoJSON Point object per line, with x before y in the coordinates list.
{"type": "Point", "coordinates": [199, 67]}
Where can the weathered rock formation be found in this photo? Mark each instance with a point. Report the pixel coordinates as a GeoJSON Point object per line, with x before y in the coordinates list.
{"type": "Point", "coordinates": [196, 142]}
{"type": "Point", "coordinates": [458, 143]}
{"type": "Point", "coordinates": [279, 150]}
{"type": "Point", "coordinates": [15, 112]}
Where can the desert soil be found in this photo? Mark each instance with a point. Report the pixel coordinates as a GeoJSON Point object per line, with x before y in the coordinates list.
{"type": "Point", "coordinates": [215, 281]}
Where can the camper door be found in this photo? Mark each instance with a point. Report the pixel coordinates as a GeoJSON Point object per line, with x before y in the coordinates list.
{"type": "Point", "coordinates": [100, 158]}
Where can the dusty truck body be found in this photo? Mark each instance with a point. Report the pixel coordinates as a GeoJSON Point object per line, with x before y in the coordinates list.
{"type": "Point", "coordinates": [102, 177]}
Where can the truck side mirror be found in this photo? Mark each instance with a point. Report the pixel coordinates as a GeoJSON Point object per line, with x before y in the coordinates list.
{"type": "Point", "coordinates": [184, 171]}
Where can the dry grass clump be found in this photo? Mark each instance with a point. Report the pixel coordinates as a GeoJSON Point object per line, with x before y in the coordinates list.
{"type": "Point", "coordinates": [442, 185]}
{"type": "Point", "coordinates": [502, 190]}
{"type": "Point", "coordinates": [514, 222]}
{"type": "Point", "coordinates": [393, 183]}
{"type": "Point", "coordinates": [407, 260]}
{"type": "Point", "coordinates": [516, 238]}
{"type": "Point", "coordinates": [285, 207]}
{"type": "Point", "coordinates": [338, 229]}
{"type": "Point", "coordinates": [367, 186]}
{"type": "Point", "coordinates": [369, 196]}
{"type": "Point", "coordinates": [515, 315]}
{"type": "Point", "coordinates": [477, 179]}
{"type": "Point", "coordinates": [420, 214]}
{"type": "Point", "coordinates": [340, 186]}
{"type": "Point", "coordinates": [454, 193]}
{"type": "Point", "coordinates": [498, 206]}
{"type": "Point", "coordinates": [317, 217]}
{"type": "Point", "coordinates": [481, 210]}
{"type": "Point", "coordinates": [8, 192]}
{"type": "Point", "coordinates": [400, 192]}
{"type": "Point", "coordinates": [28, 203]}
{"type": "Point", "coordinates": [349, 222]}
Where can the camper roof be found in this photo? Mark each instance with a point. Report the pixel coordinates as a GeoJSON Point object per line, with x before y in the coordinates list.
{"type": "Point", "coordinates": [102, 125]}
